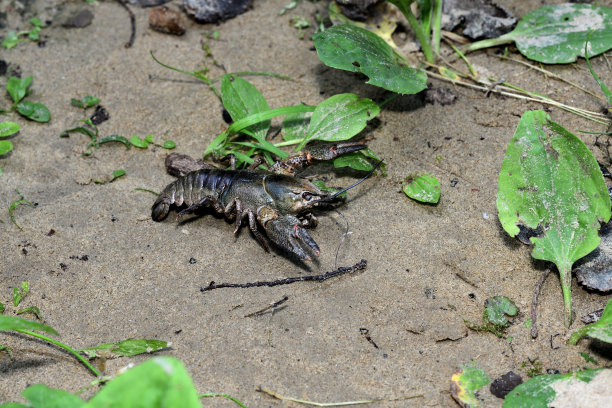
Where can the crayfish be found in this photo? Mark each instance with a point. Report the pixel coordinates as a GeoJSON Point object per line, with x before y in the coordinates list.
{"type": "Point", "coordinates": [275, 199]}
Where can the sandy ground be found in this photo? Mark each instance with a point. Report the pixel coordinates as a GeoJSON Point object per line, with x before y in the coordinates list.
{"type": "Point", "coordinates": [429, 267]}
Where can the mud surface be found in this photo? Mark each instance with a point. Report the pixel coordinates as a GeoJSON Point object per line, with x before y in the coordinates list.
{"type": "Point", "coordinates": [109, 272]}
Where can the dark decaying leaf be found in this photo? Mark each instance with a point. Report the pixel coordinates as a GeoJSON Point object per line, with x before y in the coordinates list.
{"type": "Point", "coordinates": [594, 271]}
{"type": "Point", "coordinates": [479, 19]}
{"type": "Point", "coordinates": [207, 11]}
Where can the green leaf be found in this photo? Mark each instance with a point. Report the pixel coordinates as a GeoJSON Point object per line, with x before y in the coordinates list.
{"type": "Point", "coordinates": [295, 125]}
{"type": "Point", "coordinates": [169, 144]}
{"type": "Point", "coordinates": [550, 182]}
{"type": "Point", "coordinates": [422, 187]}
{"type": "Point", "coordinates": [116, 138]}
{"type": "Point", "coordinates": [127, 348]}
{"type": "Point", "coordinates": [158, 382]}
{"type": "Point", "coordinates": [2, 307]}
{"type": "Point", "coordinates": [20, 293]}
{"type": "Point", "coordinates": [496, 309]}
{"type": "Point", "coordinates": [35, 21]}
{"type": "Point", "coordinates": [355, 49]}
{"type": "Point", "coordinates": [34, 111]}
{"type": "Point", "coordinates": [340, 117]}
{"type": "Point", "coordinates": [117, 174]}
{"type": "Point", "coordinates": [32, 309]}
{"type": "Point", "coordinates": [601, 329]}
{"type": "Point", "coordinates": [355, 160]}
{"type": "Point", "coordinates": [33, 34]}
{"type": "Point", "coordinates": [18, 88]}
{"type": "Point", "coordinates": [557, 34]}
{"type": "Point", "coordinates": [17, 323]}
{"type": "Point", "coordinates": [242, 99]}
{"type": "Point", "coordinates": [86, 102]}
{"type": "Point", "coordinates": [5, 146]}
{"type": "Point", "coordinates": [42, 396]}
{"type": "Point", "coordinates": [466, 382]}
{"type": "Point", "coordinates": [11, 40]}
{"type": "Point", "coordinates": [588, 388]}
{"type": "Point", "coordinates": [141, 144]}
{"type": "Point", "coordinates": [8, 128]}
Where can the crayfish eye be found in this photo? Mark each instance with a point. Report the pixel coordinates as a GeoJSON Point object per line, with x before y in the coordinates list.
{"type": "Point", "coordinates": [307, 196]}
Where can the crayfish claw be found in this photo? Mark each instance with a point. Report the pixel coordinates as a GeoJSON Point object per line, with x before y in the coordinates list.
{"type": "Point", "coordinates": [288, 233]}
{"type": "Point", "coordinates": [321, 152]}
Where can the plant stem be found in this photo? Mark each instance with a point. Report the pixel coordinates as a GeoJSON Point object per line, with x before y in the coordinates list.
{"type": "Point", "coordinates": [64, 346]}
{"type": "Point", "coordinates": [229, 397]}
{"type": "Point", "coordinates": [490, 42]}
{"type": "Point", "coordinates": [437, 22]}
{"type": "Point", "coordinates": [404, 6]}
{"type": "Point", "coordinates": [565, 274]}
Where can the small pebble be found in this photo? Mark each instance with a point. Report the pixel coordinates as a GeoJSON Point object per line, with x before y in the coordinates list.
{"type": "Point", "coordinates": [166, 20]}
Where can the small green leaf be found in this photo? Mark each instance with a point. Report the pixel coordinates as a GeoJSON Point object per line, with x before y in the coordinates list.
{"type": "Point", "coordinates": [115, 138]}
{"type": "Point", "coordinates": [169, 144]}
{"type": "Point", "coordinates": [11, 40]}
{"type": "Point", "coordinates": [136, 141]}
{"type": "Point", "coordinates": [127, 348]}
{"type": "Point", "coordinates": [242, 99]}
{"type": "Point", "coordinates": [35, 21]}
{"type": "Point", "coordinates": [422, 187]}
{"type": "Point", "coordinates": [601, 329]}
{"type": "Point", "coordinates": [5, 146]}
{"type": "Point", "coordinates": [158, 382]}
{"type": "Point", "coordinates": [33, 34]}
{"type": "Point", "coordinates": [17, 323]}
{"type": "Point", "coordinates": [340, 117]}
{"type": "Point", "coordinates": [19, 294]}
{"type": "Point", "coordinates": [117, 174]}
{"type": "Point", "coordinates": [557, 34]}
{"type": "Point", "coordinates": [550, 182]}
{"type": "Point", "coordinates": [32, 309]}
{"type": "Point", "coordinates": [8, 128]}
{"type": "Point", "coordinates": [34, 111]}
{"type": "Point", "coordinates": [528, 323]}
{"type": "Point", "coordinates": [587, 357]}
{"type": "Point", "coordinates": [355, 160]}
{"type": "Point", "coordinates": [18, 88]}
{"type": "Point", "coordinates": [466, 382]}
{"type": "Point", "coordinates": [591, 387]}
{"type": "Point", "coordinates": [331, 190]}
{"type": "Point", "coordinates": [86, 102]}
{"type": "Point", "coordinates": [496, 309]}
{"type": "Point", "coordinates": [42, 396]}
{"type": "Point", "coordinates": [149, 139]}
{"type": "Point", "coordinates": [355, 49]}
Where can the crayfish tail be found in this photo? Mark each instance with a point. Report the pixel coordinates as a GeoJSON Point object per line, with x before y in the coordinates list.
{"type": "Point", "coordinates": [160, 210]}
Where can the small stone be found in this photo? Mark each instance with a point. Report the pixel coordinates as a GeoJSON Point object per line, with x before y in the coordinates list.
{"type": "Point", "coordinates": [166, 20]}
{"type": "Point", "coordinates": [80, 19]}
{"type": "Point", "coordinates": [212, 11]}
{"type": "Point", "coordinates": [500, 387]}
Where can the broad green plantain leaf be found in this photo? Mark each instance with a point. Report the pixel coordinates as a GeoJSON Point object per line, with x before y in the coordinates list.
{"type": "Point", "coordinates": [295, 125]}
{"type": "Point", "coordinates": [601, 329]}
{"type": "Point", "coordinates": [466, 382]}
{"type": "Point", "coordinates": [41, 396]}
{"type": "Point", "coordinates": [158, 382]}
{"type": "Point", "coordinates": [550, 181]}
{"type": "Point", "coordinates": [355, 49]}
{"type": "Point", "coordinates": [34, 111]}
{"type": "Point", "coordinates": [340, 117]}
{"type": "Point", "coordinates": [422, 187]}
{"type": "Point", "coordinates": [242, 99]}
{"type": "Point", "coordinates": [127, 348]}
{"type": "Point", "coordinates": [557, 34]}
{"type": "Point", "coordinates": [588, 388]}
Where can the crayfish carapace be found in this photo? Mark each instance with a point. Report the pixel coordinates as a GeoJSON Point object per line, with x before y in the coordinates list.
{"type": "Point", "coordinates": [275, 199]}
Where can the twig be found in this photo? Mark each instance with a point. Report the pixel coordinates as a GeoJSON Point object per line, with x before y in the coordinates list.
{"type": "Point", "coordinates": [132, 24]}
{"type": "Point", "coordinates": [316, 404]}
{"type": "Point", "coordinates": [340, 271]}
{"type": "Point", "coordinates": [534, 303]}
{"type": "Point", "coordinates": [272, 306]}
